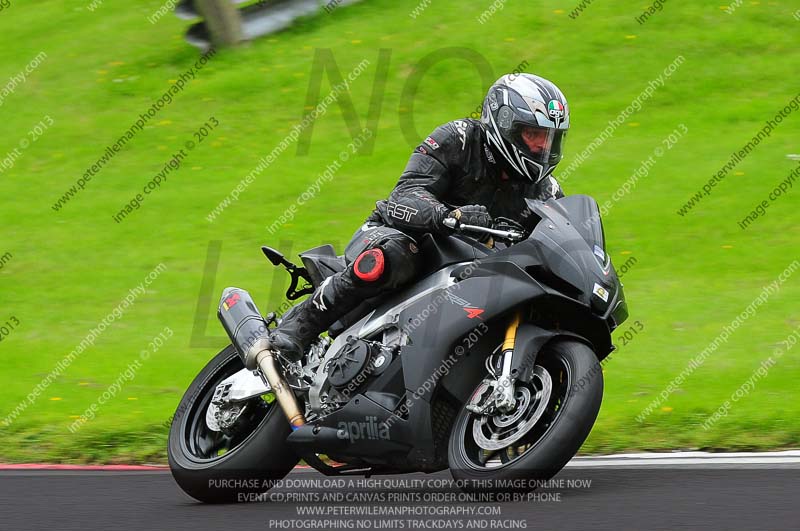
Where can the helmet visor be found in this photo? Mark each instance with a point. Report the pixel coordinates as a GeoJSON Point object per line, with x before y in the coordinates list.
{"type": "Point", "coordinates": [542, 144]}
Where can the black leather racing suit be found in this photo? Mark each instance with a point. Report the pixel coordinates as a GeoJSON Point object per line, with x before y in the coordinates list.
{"type": "Point", "coordinates": [453, 167]}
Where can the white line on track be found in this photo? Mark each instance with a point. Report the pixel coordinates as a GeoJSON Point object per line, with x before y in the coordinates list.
{"type": "Point", "coordinates": [676, 460]}
{"type": "Point", "coordinates": [787, 459]}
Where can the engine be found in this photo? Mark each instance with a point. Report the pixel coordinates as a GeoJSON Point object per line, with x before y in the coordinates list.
{"type": "Point", "coordinates": [355, 362]}
{"type": "Point", "coordinates": [345, 370]}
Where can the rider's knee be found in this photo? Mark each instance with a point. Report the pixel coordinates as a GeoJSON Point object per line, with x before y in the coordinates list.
{"type": "Point", "coordinates": [370, 265]}
{"type": "Point", "coordinates": [403, 259]}
{"type": "Point", "coordinates": [390, 263]}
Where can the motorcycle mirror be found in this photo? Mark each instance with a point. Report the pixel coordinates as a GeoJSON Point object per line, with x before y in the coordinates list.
{"type": "Point", "coordinates": [274, 256]}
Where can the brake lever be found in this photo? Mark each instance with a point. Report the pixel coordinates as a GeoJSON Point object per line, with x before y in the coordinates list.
{"type": "Point", "coordinates": [510, 235]}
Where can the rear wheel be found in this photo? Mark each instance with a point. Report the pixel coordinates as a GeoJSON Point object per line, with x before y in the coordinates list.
{"type": "Point", "coordinates": [216, 465]}
{"type": "Point", "coordinates": [555, 413]}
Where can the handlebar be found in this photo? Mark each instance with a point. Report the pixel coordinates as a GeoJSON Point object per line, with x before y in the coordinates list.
{"type": "Point", "coordinates": [510, 235]}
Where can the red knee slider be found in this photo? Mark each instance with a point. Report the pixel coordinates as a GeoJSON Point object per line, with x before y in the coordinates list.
{"type": "Point", "coordinates": [369, 265]}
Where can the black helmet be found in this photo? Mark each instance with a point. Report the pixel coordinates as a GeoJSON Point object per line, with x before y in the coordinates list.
{"type": "Point", "coordinates": [526, 119]}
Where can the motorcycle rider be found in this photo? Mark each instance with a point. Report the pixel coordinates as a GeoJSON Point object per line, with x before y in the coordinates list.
{"type": "Point", "coordinates": [466, 169]}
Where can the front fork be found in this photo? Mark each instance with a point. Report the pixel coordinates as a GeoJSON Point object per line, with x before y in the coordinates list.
{"type": "Point", "coordinates": [505, 401]}
{"type": "Point", "coordinates": [498, 394]}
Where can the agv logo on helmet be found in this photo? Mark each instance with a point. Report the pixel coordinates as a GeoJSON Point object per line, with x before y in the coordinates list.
{"type": "Point", "coordinates": [555, 109]}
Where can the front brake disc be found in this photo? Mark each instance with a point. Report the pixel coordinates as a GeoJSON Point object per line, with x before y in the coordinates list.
{"type": "Point", "coordinates": [501, 431]}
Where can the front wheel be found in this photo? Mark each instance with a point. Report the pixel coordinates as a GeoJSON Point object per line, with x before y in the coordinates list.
{"type": "Point", "coordinates": [234, 463]}
{"type": "Point", "coordinates": [555, 412]}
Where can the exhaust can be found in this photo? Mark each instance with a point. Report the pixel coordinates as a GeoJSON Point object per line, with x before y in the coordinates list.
{"type": "Point", "coordinates": [244, 324]}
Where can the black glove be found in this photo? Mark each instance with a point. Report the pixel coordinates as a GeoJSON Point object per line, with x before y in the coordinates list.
{"type": "Point", "coordinates": [472, 215]}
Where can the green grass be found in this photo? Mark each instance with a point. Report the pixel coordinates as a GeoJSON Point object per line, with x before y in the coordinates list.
{"type": "Point", "coordinates": [693, 276]}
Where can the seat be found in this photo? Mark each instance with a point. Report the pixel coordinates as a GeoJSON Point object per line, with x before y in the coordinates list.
{"type": "Point", "coordinates": [322, 262]}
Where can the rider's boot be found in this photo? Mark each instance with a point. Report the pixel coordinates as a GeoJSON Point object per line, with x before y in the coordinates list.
{"type": "Point", "coordinates": [334, 298]}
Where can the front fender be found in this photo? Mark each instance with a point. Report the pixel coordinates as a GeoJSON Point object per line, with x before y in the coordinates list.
{"type": "Point", "coordinates": [530, 340]}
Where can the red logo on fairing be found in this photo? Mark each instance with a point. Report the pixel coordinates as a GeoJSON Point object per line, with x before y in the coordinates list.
{"type": "Point", "coordinates": [472, 313]}
{"type": "Point", "coordinates": [231, 301]}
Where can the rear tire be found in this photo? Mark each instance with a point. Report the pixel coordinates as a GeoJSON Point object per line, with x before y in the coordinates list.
{"type": "Point", "coordinates": [258, 456]}
{"type": "Point", "coordinates": [573, 404]}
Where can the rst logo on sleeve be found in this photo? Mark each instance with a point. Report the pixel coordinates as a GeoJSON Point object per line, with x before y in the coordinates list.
{"type": "Point", "coordinates": [401, 212]}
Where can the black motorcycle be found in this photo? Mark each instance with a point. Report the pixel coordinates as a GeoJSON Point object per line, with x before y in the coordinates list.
{"type": "Point", "coordinates": [488, 366]}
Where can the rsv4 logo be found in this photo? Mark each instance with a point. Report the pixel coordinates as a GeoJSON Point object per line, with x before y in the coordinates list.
{"type": "Point", "coordinates": [472, 310]}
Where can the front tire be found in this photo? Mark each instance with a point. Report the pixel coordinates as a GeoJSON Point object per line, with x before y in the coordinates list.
{"type": "Point", "coordinates": [216, 467]}
{"type": "Point", "coordinates": [561, 421]}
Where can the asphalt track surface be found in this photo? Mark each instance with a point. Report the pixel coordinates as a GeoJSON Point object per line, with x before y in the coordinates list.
{"type": "Point", "coordinates": [618, 493]}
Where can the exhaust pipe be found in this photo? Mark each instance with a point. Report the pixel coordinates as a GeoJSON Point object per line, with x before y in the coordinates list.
{"type": "Point", "coordinates": [248, 332]}
{"type": "Point", "coordinates": [269, 368]}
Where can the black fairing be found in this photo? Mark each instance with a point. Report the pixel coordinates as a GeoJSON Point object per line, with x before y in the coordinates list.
{"type": "Point", "coordinates": [560, 276]}
{"type": "Point", "coordinates": [441, 252]}
{"type": "Point", "coordinates": [583, 208]}
{"type": "Point", "coordinates": [566, 252]}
